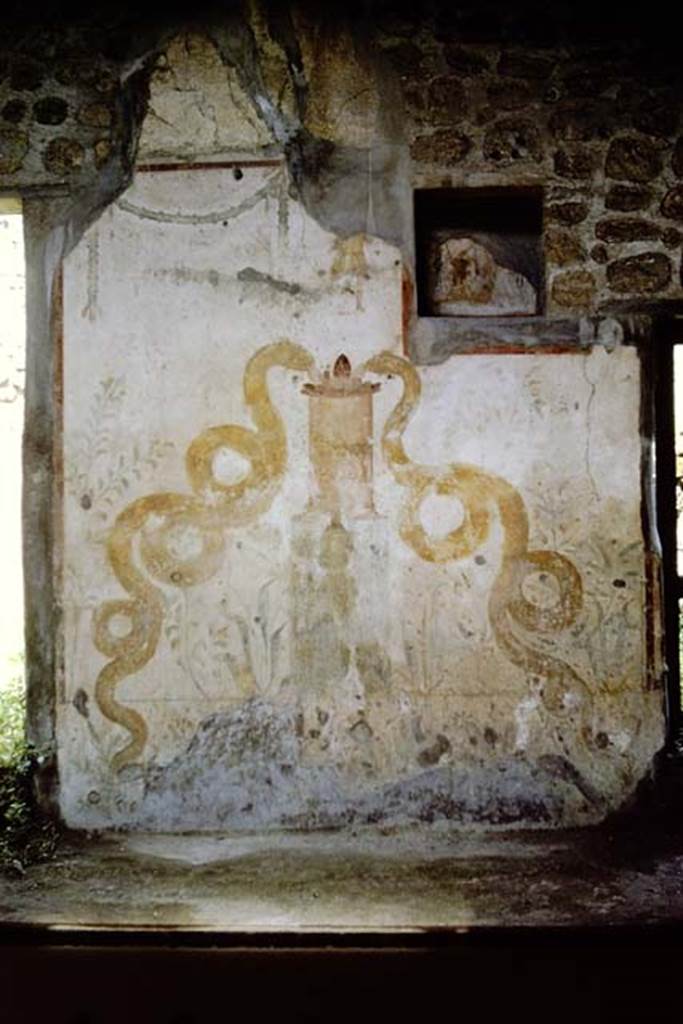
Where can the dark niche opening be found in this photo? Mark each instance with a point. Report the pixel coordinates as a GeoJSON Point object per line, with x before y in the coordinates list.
{"type": "Point", "coordinates": [479, 251]}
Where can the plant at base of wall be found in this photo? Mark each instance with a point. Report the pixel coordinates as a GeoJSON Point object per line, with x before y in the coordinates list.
{"type": "Point", "coordinates": [26, 836]}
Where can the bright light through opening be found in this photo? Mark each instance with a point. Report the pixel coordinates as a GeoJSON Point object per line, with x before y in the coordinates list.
{"type": "Point", "coordinates": [12, 375]}
{"type": "Point", "coordinates": [678, 428]}
{"type": "Point", "coordinates": [678, 421]}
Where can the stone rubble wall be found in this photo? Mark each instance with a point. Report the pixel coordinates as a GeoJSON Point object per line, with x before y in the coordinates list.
{"type": "Point", "coordinates": [597, 126]}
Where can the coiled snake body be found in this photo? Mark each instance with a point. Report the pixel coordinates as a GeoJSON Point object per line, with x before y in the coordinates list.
{"type": "Point", "coordinates": [159, 519]}
{"type": "Point", "coordinates": [481, 494]}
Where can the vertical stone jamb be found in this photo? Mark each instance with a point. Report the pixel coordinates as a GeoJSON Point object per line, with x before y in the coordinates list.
{"type": "Point", "coordinates": [41, 543]}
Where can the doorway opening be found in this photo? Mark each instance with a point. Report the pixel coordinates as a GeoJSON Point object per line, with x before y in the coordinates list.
{"type": "Point", "coordinates": [12, 379]}
{"type": "Point", "coordinates": [668, 356]}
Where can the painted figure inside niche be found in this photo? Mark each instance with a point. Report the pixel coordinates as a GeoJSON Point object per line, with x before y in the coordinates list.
{"type": "Point", "coordinates": [466, 280]}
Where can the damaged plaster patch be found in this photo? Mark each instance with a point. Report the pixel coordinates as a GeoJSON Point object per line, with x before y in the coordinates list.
{"type": "Point", "coordinates": [250, 275]}
{"type": "Point", "coordinates": [197, 105]}
{"type": "Point", "coordinates": [344, 99]}
{"type": "Point", "coordinates": [348, 193]}
{"type": "Point", "coordinates": [243, 768]}
{"type": "Point", "coordinates": [236, 92]}
{"type": "Point", "coordinates": [345, 152]}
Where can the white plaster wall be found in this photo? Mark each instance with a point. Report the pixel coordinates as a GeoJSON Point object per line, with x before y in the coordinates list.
{"type": "Point", "coordinates": [302, 684]}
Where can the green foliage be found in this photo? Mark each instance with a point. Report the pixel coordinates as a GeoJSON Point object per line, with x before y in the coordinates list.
{"type": "Point", "coordinates": [26, 836]}
{"type": "Point", "coordinates": [12, 718]}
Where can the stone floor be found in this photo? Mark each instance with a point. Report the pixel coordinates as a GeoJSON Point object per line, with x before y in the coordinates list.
{"type": "Point", "coordinates": [362, 882]}
{"type": "Point", "coordinates": [349, 926]}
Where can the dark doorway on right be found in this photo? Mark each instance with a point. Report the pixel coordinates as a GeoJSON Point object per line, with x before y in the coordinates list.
{"type": "Point", "coordinates": [668, 420]}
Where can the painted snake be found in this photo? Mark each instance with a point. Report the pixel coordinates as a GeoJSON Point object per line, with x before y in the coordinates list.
{"type": "Point", "coordinates": [480, 494]}
{"type": "Point", "coordinates": [159, 519]}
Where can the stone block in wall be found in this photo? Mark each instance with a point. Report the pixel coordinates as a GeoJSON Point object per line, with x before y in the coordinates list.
{"type": "Point", "coordinates": [102, 151]}
{"type": "Point", "coordinates": [63, 155]}
{"type": "Point", "coordinates": [76, 70]}
{"type": "Point", "coordinates": [510, 95]}
{"type": "Point", "coordinates": [677, 158]}
{"type": "Point", "coordinates": [671, 237]}
{"type": "Point", "coordinates": [633, 159]}
{"type": "Point", "coordinates": [627, 229]}
{"type": "Point", "coordinates": [511, 139]}
{"type": "Point", "coordinates": [14, 111]}
{"type": "Point", "coordinates": [562, 247]}
{"type": "Point", "coordinates": [585, 121]}
{"type": "Point", "coordinates": [574, 289]}
{"type": "Point", "coordinates": [567, 213]}
{"type": "Point", "coordinates": [446, 146]}
{"type": "Point", "coordinates": [13, 148]}
{"type": "Point", "coordinates": [95, 115]}
{"type": "Point", "coordinates": [628, 198]}
{"type": "Point", "coordinates": [578, 163]}
{"type": "Point", "coordinates": [644, 274]}
{"type": "Point", "coordinates": [442, 101]}
{"type": "Point", "coordinates": [672, 203]}
{"type": "Point", "coordinates": [51, 110]}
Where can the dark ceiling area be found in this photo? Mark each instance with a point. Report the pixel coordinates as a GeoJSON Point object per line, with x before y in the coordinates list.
{"type": "Point", "coordinates": [525, 22]}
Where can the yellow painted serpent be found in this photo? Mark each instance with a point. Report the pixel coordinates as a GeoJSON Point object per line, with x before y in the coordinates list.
{"type": "Point", "coordinates": [181, 536]}
{"type": "Point", "coordinates": [157, 519]}
{"type": "Point", "coordinates": [480, 493]}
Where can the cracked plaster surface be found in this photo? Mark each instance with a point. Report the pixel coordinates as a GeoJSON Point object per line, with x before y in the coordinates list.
{"type": "Point", "coordinates": [188, 119]}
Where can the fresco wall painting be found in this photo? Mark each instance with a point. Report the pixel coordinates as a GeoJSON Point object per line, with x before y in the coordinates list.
{"type": "Point", "coordinates": [308, 582]}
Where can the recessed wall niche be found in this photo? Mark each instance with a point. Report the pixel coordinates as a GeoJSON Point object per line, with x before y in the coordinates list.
{"type": "Point", "coordinates": [479, 251]}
